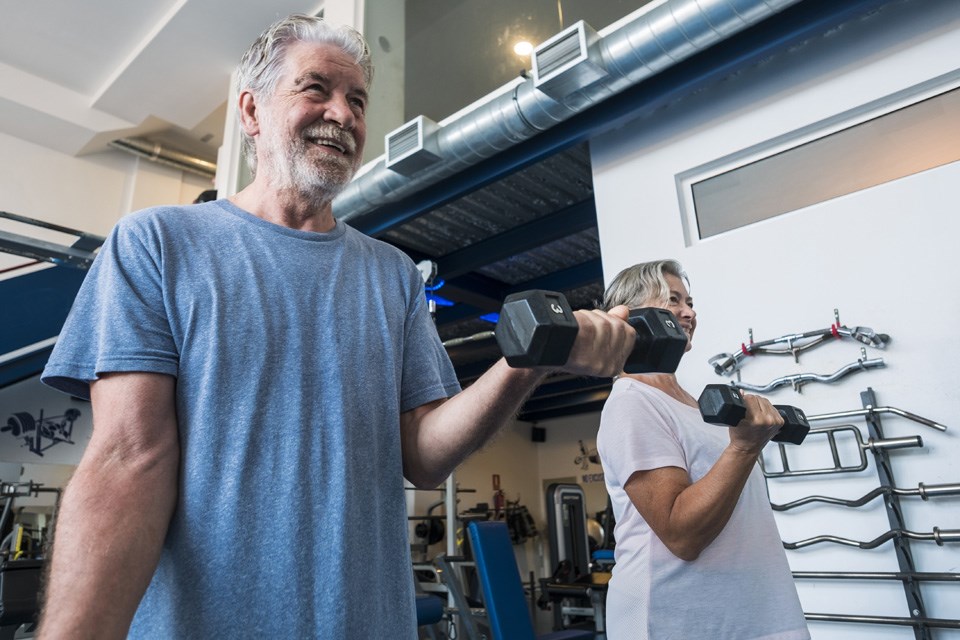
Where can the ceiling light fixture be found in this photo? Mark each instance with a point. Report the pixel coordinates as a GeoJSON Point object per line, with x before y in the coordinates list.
{"type": "Point", "coordinates": [523, 48]}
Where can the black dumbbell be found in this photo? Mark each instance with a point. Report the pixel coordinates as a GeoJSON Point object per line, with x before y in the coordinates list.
{"type": "Point", "coordinates": [723, 404]}
{"type": "Point", "coordinates": [537, 328]}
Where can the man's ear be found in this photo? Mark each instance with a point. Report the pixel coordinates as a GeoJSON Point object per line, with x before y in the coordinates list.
{"type": "Point", "coordinates": [249, 118]}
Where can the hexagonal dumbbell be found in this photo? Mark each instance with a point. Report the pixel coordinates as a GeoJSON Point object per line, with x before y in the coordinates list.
{"type": "Point", "coordinates": [538, 328]}
{"type": "Point", "coordinates": [723, 404]}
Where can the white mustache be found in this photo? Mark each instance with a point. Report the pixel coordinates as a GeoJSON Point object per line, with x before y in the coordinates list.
{"type": "Point", "coordinates": [332, 133]}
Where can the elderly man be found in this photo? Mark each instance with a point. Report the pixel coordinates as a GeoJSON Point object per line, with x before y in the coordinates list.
{"type": "Point", "coordinates": [262, 379]}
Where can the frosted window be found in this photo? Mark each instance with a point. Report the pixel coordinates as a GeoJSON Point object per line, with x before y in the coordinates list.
{"type": "Point", "coordinates": [915, 138]}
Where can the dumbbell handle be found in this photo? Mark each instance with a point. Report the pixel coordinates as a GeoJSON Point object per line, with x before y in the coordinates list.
{"type": "Point", "coordinates": [725, 405]}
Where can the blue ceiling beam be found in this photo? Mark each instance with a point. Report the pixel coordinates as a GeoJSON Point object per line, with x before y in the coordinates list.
{"type": "Point", "coordinates": [536, 233]}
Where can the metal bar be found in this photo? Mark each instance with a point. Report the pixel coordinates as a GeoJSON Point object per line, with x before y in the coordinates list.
{"type": "Point", "coordinates": [876, 410]}
{"type": "Point", "coordinates": [938, 535]}
{"type": "Point", "coordinates": [35, 249]}
{"type": "Point", "coordinates": [877, 575]}
{"type": "Point", "coordinates": [483, 336]}
{"type": "Point", "coordinates": [901, 544]}
{"type": "Point", "coordinates": [838, 467]}
{"type": "Point", "coordinates": [920, 624]}
{"type": "Point", "coordinates": [450, 575]}
{"type": "Point", "coordinates": [49, 225]}
{"type": "Point", "coordinates": [800, 379]}
{"type": "Point", "coordinates": [924, 491]}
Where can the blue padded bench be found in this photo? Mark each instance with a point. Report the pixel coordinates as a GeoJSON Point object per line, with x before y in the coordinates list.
{"type": "Point", "coordinates": [503, 595]}
{"type": "Point", "coordinates": [429, 609]}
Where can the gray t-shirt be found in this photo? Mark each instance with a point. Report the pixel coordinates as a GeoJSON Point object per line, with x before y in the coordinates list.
{"type": "Point", "coordinates": [295, 353]}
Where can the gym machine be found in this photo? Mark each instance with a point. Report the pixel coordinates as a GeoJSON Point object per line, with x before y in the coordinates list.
{"type": "Point", "coordinates": [576, 591]}
{"type": "Point", "coordinates": [22, 553]}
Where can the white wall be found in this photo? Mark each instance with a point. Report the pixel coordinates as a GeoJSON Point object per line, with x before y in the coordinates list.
{"type": "Point", "coordinates": [885, 257]}
{"type": "Point", "coordinates": [88, 193]}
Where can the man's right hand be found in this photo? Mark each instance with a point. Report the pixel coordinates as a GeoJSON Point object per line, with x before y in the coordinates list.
{"type": "Point", "coordinates": [604, 342]}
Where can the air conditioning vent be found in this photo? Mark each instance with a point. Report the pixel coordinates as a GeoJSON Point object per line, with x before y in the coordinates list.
{"type": "Point", "coordinates": [403, 140]}
{"type": "Point", "coordinates": [568, 62]}
{"type": "Point", "coordinates": [412, 147]}
{"type": "Point", "coordinates": [564, 51]}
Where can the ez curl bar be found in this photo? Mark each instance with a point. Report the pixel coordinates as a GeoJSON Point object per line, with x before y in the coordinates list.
{"type": "Point", "coordinates": [924, 491]}
{"type": "Point", "coordinates": [726, 364]}
{"type": "Point", "coordinates": [799, 379]}
{"type": "Point", "coordinates": [938, 535]}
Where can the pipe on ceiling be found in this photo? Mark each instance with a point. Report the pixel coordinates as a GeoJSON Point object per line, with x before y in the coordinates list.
{"type": "Point", "coordinates": [156, 152]}
{"type": "Point", "coordinates": [657, 37]}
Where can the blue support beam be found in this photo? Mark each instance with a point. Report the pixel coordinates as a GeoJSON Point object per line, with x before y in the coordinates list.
{"type": "Point", "coordinates": [536, 233]}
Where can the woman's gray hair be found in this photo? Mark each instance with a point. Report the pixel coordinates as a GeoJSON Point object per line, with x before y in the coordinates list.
{"type": "Point", "coordinates": [260, 66]}
{"type": "Point", "coordinates": [643, 283]}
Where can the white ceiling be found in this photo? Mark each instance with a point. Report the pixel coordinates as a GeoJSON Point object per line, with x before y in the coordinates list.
{"type": "Point", "coordinates": [76, 75]}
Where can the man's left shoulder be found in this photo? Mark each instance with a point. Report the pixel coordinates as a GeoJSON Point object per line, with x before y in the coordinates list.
{"type": "Point", "coordinates": [383, 250]}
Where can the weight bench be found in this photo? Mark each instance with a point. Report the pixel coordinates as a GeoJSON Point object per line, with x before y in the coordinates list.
{"type": "Point", "coordinates": [502, 588]}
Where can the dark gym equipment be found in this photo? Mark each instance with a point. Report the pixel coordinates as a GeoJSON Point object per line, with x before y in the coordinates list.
{"type": "Point", "coordinates": [575, 592]}
{"type": "Point", "coordinates": [19, 594]}
{"type": "Point", "coordinates": [723, 404]}
{"type": "Point", "coordinates": [537, 328]}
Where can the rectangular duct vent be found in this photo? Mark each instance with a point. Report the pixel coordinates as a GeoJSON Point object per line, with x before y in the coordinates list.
{"type": "Point", "coordinates": [568, 62]}
{"type": "Point", "coordinates": [412, 147]}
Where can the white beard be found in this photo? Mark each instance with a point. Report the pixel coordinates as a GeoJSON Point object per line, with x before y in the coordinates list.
{"type": "Point", "coordinates": [292, 168]}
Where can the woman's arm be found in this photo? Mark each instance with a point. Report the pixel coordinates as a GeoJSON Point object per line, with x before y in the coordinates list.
{"type": "Point", "coordinates": [687, 516]}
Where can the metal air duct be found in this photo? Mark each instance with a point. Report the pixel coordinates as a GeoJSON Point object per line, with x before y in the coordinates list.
{"type": "Point", "coordinates": [574, 70]}
{"type": "Point", "coordinates": [156, 152]}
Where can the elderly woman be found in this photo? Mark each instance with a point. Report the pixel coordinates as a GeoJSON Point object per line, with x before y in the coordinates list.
{"type": "Point", "coordinates": [698, 554]}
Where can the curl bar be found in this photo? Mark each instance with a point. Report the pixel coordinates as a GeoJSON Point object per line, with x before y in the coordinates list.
{"type": "Point", "coordinates": [872, 411]}
{"type": "Point", "coordinates": [938, 535]}
{"type": "Point", "coordinates": [923, 576]}
{"type": "Point", "coordinates": [838, 466]}
{"type": "Point", "coordinates": [924, 491]}
{"type": "Point", "coordinates": [726, 364]}
{"type": "Point", "coordinates": [800, 379]}
{"type": "Point", "coordinates": [940, 623]}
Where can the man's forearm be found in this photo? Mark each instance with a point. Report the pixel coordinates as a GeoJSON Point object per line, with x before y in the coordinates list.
{"type": "Point", "coordinates": [461, 425]}
{"type": "Point", "coordinates": [109, 532]}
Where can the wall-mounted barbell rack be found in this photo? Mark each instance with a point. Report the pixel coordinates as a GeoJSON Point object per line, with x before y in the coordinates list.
{"type": "Point", "coordinates": [898, 534]}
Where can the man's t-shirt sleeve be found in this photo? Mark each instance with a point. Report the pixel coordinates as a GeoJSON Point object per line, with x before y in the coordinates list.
{"type": "Point", "coordinates": [118, 321]}
{"type": "Point", "coordinates": [428, 374]}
